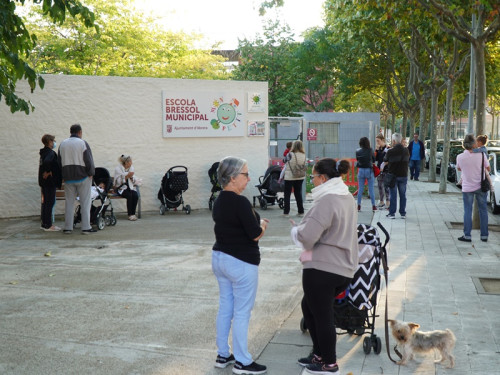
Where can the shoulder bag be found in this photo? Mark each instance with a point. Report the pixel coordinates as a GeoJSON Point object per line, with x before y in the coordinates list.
{"type": "Point", "coordinates": [485, 184]}
{"type": "Point", "coordinates": [298, 170]}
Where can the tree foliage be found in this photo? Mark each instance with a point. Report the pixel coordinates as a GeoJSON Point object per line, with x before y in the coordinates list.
{"type": "Point", "coordinates": [127, 43]}
{"type": "Point", "coordinates": [270, 58]}
{"type": "Point", "coordinates": [17, 42]}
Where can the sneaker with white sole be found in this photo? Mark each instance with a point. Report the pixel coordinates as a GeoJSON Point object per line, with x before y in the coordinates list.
{"type": "Point", "coordinates": [389, 216]}
{"type": "Point", "coordinates": [251, 369]}
{"type": "Point", "coordinates": [223, 362]}
{"type": "Point", "coordinates": [323, 369]}
{"type": "Point", "coordinates": [309, 360]}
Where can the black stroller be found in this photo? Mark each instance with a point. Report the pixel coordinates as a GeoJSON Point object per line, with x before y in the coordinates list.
{"type": "Point", "coordinates": [173, 184]}
{"type": "Point", "coordinates": [212, 173]}
{"type": "Point", "coordinates": [101, 210]}
{"type": "Point", "coordinates": [355, 308]}
{"type": "Point", "coordinates": [269, 187]}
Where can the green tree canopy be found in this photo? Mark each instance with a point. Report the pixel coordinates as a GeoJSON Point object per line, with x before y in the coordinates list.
{"type": "Point", "coordinates": [16, 43]}
{"type": "Point", "coordinates": [127, 43]}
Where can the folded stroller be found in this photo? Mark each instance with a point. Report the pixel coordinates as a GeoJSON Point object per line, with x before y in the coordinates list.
{"type": "Point", "coordinates": [355, 308]}
{"type": "Point", "coordinates": [212, 173]}
{"type": "Point", "coordinates": [269, 187]}
{"type": "Point", "coordinates": [173, 184]}
{"type": "Point", "coordinates": [101, 210]}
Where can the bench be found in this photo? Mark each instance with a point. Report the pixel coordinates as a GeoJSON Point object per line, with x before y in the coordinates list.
{"type": "Point", "coordinates": [61, 195]}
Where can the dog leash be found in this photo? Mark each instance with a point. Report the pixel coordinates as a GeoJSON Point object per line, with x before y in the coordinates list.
{"type": "Point", "coordinates": [386, 276]}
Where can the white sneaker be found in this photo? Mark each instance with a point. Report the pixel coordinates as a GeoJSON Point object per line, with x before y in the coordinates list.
{"type": "Point", "coordinates": [53, 228]}
{"type": "Point", "coordinates": [132, 218]}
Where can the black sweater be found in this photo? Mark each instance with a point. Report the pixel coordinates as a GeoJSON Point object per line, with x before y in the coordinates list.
{"type": "Point", "coordinates": [365, 157]}
{"type": "Point", "coordinates": [398, 158]}
{"type": "Point", "coordinates": [236, 225]}
{"type": "Point", "coordinates": [49, 163]}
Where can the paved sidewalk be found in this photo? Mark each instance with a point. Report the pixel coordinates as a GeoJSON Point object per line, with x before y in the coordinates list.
{"type": "Point", "coordinates": [430, 284]}
{"type": "Point", "coordinates": [140, 298]}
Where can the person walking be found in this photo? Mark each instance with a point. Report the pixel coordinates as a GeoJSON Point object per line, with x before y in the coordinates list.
{"type": "Point", "coordinates": [397, 158]}
{"type": "Point", "coordinates": [77, 165]}
{"type": "Point", "coordinates": [365, 158]}
{"type": "Point", "coordinates": [473, 165]}
{"type": "Point", "coordinates": [417, 153]}
{"type": "Point", "coordinates": [295, 173]}
{"type": "Point", "coordinates": [49, 179]}
{"type": "Point", "coordinates": [328, 236]}
{"type": "Point", "coordinates": [380, 152]}
{"type": "Point", "coordinates": [235, 260]}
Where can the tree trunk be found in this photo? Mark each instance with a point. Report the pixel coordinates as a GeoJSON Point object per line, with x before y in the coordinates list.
{"type": "Point", "coordinates": [412, 125]}
{"type": "Point", "coordinates": [423, 126]}
{"type": "Point", "coordinates": [447, 136]}
{"type": "Point", "coordinates": [479, 47]}
{"type": "Point", "coordinates": [433, 126]}
{"type": "Point", "coordinates": [403, 125]}
{"type": "Point", "coordinates": [393, 123]}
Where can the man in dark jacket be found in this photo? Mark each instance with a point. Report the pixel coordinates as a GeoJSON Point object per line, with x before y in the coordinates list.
{"type": "Point", "coordinates": [49, 179]}
{"type": "Point", "coordinates": [77, 164]}
{"type": "Point", "coordinates": [397, 158]}
{"type": "Point", "coordinates": [417, 153]}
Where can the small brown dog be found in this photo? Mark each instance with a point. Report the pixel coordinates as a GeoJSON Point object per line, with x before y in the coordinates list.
{"type": "Point", "coordinates": [410, 340]}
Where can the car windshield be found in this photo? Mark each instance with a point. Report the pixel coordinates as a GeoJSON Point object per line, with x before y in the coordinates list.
{"type": "Point", "coordinates": [493, 144]}
{"type": "Point", "coordinates": [498, 161]}
{"type": "Point", "coordinates": [439, 147]}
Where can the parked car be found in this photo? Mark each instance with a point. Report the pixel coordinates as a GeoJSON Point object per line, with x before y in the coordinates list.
{"type": "Point", "coordinates": [455, 144]}
{"type": "Point", "coordinates": [494, 196]}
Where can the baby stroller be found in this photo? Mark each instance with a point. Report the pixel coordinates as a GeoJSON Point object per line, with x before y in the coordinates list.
{"type": "Point", "coordinates": [355, 308]}
{"type": "Point", "coordinates": [269, 187]}
{"type": "Point", "coordinates": [212, 173]}
{"type": "Point", "coordinates": [101, 209]}
{"type": "Point", "coordinates": [173, 184]}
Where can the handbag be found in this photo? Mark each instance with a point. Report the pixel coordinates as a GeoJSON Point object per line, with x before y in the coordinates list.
{"type": "Point", "coordinates": [298, 171]}
{"type": "Point", "coordinates": [485, 183]}
{"type": "Point", "coordinates": [390, 180]}
{"type": "Point", "coordinates": [376, 170]}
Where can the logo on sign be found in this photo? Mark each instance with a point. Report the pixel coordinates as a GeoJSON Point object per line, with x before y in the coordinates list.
{"type": "Point", "coordinates": [312, 134]}
{"type": "Point", "coordinates": [169, 128]}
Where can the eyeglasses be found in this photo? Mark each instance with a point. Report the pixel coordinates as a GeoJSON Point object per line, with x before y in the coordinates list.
{"type": "Point", "coordinates": [245, 174]}
{"type": "Point", "coordinates": [311, 177]}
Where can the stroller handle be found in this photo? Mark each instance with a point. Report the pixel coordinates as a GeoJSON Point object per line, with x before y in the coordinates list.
{"type": "Point", "coordinates": [179, 166]}
{"type": "Point", "coordinates": [387, 236]}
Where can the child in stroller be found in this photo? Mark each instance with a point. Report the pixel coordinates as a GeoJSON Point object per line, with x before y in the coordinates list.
{"type": "Point", "coordinates": [212, 173]}
{"type": "Point", "coordinates": [173, 184]}
{"type": "Point", "coordinates": [269, 187]}
{"type": "Point", "coordinates": [101, 210]}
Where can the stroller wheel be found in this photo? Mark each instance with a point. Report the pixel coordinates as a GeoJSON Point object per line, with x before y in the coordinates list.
{"type": "Point", "coordinates": [377, 347]}
{"type": "Point", "coordinates": [303, 326]}
{"type": "Point", "coordinates": [113, 220]}
{"type": "Point", "coordinates": [263, 203]}
{"type": "Point", "coordinates": [162, 210]}
{"type": "Point", "coordinates": [281, 203]}
{"type": "Point", "coordinates": [107, 220]}
{"type": "Point", "coordinates": [188, 209]}
{"type": "Point", "coordinates": [367, 345]}
{"type": "Point", "coordinates": [100, 222]}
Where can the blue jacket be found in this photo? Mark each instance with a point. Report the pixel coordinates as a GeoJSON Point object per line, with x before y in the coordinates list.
{"type": "Point", "coordinates": [422, 149]}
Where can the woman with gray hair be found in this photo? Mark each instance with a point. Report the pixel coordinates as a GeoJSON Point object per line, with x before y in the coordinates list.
{"type": "Point", "coordinates": [125, 184]}
{"type": "Point", "coordinates": [235, 259]}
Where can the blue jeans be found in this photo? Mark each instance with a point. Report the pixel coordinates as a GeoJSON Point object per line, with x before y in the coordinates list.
{"type": "Point", "coordinates": [415, 168]}
{"type": "Point", "coordinates": [483, 213]}
{"type": "Point", "coordinates": [366, 174]}
{"type": "Point", "coordinates": [237, 290]}
{"type": "Point", "coordinates": [400, 188]}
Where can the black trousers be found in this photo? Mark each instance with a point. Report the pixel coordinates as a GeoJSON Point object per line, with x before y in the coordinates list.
{"type": "Point", "coordinates": [132, 198]}
{"type": "Point", "coordinates": [297, 192]}
{"type": "Point", "coordinates": [49, 198]}
{"type": "Point", "coordinates": [320, 290]}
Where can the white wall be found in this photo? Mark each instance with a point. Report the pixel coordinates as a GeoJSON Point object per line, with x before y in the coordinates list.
{"type": "Point", "coordinates": [119, 115]}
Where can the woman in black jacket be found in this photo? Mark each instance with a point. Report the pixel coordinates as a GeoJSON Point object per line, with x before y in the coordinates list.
{"type": "Point", "coordinates": [365, 157]}
{"type": "Point", "coordinates": [49, 179]}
